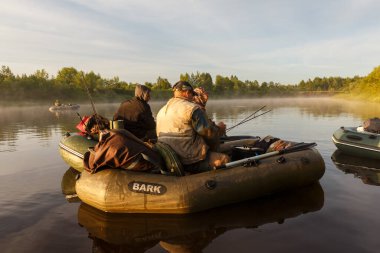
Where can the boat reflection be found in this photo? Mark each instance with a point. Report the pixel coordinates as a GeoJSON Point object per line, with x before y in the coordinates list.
{"type": "Point", "coordinates": [68, 185]}
{"type": "Point", "coordinates": [63, 114]}
{"type": "Point", "coordinates": [192, 233]}
{"type": "Point", "coordinates": [368, 170]}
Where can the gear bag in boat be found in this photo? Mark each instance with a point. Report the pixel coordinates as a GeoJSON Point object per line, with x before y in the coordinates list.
{"type": "Point", "coordinates": [90, 124]}
{"type": "Point", "coordinates": [372, 125]}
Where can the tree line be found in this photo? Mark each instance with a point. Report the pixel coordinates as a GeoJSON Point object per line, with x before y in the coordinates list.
{"type": "Point", "coordinates": [69, 83]}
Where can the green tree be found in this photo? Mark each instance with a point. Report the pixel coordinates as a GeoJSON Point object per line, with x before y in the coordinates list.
{"type": "Point", "coordinates": [68, 77]}
{"type": "Point", "coordinates": [92, 80]}
{"type": "Point", "coordinates": [184, 77]}
{"type": "Point", "coordinates": [113, 83]}
{"type": "Point", "coordinates": [252, 85]}
{"type": "Point", "coordinates": [162, 84]}
{"type": "Point", "coordinates": [223, 84]}
{"type": "Point", "coordinates": [41, 74]}
{"type": "Point", "coordinates": [205, 80]}
{"type": "Point", "coordinates": [6, 74]}
{"type": "Point", "coordinates": [239, 87]}
{"type": "Point", "coordinates": [148, 84]}
{"type": "Point", "coordinates": [198, 80]}
{"type": "Point", "coordinates": [264, 88]}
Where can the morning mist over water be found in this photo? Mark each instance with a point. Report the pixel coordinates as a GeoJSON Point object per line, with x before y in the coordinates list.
{"type": "Point", "coordinates": [342, 206]}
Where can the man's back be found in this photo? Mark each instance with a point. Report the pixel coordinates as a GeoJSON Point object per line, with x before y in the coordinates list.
{"type": "Point", "coordinates": [137, 116]}
{"type": "Point", "coordinates": [174, 127]}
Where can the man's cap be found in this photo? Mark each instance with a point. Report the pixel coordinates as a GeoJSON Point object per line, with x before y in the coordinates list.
{"type": "Point", "coordinates": [183, 86]}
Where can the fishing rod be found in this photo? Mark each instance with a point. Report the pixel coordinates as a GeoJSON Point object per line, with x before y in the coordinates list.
{"type": "Point", "coordinates": [80, 117]}
{"type": "Point", "coordinates": [228, 129]}
{"type": "Point", "coordinates": [246, 120]}
{"type": "Point", "coordinates": [100, 124]}
{"type": "Point", "coordinates": [252, 114]}
{"type": "Point", "coordinates": [89, 94]}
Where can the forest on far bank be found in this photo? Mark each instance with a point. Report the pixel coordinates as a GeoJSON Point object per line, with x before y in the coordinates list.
{"type": "Point", "coordinates": [70, 84]}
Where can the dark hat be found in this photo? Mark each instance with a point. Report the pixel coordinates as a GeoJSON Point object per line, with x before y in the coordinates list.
{"type": "Point", "coordinates": [183, 86]}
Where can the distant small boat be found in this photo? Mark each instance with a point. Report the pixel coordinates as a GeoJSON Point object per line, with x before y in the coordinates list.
{"type": "Point", "coordinates": [355, 141]}
{"type": "Point", "coordinates": [64, 107]}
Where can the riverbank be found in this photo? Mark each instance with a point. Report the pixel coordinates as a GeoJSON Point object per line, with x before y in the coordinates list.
{"type": "Point", "coordinates": [157, 95]}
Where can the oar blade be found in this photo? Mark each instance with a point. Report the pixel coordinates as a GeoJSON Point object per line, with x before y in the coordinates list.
{"type": "Point", "coordinates": [298, 147]}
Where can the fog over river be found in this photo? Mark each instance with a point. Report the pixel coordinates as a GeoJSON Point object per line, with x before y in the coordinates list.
{"type": "Point", "coordinates": [339, 214]}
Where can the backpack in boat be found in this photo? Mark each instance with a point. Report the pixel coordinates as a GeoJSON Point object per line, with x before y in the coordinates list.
{"type": "Point", "coordinates": [372, 125]}
{"type": "Point", "coordinates": [265, 143]}
{"type": "Point", "coordinates": [91, 124]}
{"type": "Point", "coordinates": [172, 163]}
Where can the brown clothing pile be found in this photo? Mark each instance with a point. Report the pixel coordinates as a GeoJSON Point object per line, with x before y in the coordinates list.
{"type": "Point", "coordinates": [372, 125]}
{"type": "Point", "coordinates": [120, 149]}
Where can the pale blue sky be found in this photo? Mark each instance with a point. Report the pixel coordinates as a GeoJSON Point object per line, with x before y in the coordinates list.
{"type": "Point", "coordinates": [270, 40]}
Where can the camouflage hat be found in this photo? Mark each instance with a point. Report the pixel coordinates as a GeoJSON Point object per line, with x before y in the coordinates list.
{"type": "Point", "coordinates": [183, 86]}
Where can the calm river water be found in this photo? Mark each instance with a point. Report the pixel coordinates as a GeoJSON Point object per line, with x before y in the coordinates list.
{"type": "Point", "coordinates": [340, 214]}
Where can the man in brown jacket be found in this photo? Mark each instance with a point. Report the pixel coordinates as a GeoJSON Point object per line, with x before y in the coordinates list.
{"type": "Point", "coordinates": [137, 115]}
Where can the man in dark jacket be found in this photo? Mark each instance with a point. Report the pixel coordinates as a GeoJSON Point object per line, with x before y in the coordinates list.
{"type": "Point", "coordinates": [137, 115]}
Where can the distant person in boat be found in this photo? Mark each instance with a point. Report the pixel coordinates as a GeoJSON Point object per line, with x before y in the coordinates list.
{"type": "Point", "coordinates": [137, 115]}
{"type": "Point", "coordinates": [57, 103]}
{"type": "Point", "coordinates": [185, 127]}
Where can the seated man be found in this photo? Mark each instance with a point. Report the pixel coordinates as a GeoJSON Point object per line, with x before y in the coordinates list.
{"type": "Point", "coordinates": [201, 99]}
{"type": "Point", "coordinates": [137, 115]}
{"type": "Point", "coordinates": [221, 146]}
{"type": "Point", "coordinates": [184, 126]}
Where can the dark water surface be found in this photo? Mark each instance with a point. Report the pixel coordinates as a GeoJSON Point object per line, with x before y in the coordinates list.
{"type": "Point", "coordinates": [340, 214]}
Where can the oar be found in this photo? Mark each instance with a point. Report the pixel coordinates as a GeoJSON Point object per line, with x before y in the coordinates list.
{"type": "Point", "coordinates": [294, 148]}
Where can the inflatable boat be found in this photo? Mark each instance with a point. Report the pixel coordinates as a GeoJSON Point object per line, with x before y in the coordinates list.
{"type": "Point", "coordinates": [64, 107]}
{"type": "Point", "coordinates": [355, 141]}
{"type": "Point", "coordinates": [193, 232]}
{"type": "Point", "coordinates": [122, 191]}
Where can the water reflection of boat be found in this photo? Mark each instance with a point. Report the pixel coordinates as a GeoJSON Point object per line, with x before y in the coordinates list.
{"type": "Point", "coordinates": [68, 184]}
{"type": "Point", "coordinates": [192, 232]}
{"type": "Point", "coordinates": [368, 170]}
{"type": "Point", "coordinates": [357, 142]}
{"type": "Point", "coordinates": [64, 107]}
